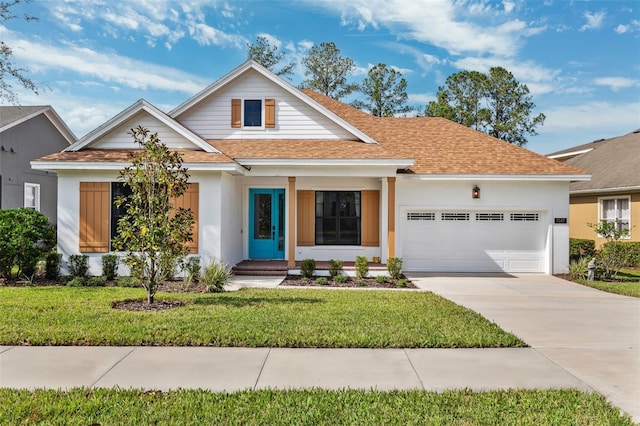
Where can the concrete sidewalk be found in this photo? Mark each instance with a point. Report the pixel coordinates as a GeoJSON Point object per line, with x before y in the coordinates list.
{"type": "Point", "coordinates": [232, 369]}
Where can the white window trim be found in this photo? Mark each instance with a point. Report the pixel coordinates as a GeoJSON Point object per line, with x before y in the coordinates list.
{"type": "Point", "coordinates": [262, 114]}
{"type": "Point", "coordinates": [36, 201]}
{"type": "Point", "coordinates": [615, 197]}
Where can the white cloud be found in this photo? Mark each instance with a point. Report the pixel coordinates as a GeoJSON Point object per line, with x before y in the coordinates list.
{"type": "Point", "coordinates": [424, 60]}
{"type": "Point", "coordinates": [207, 35]}
{"type": "Point", "coordinates": [618, 118]}
{"type": "Point", "coordinates": [107, 67]}
{"type": "Point", "coordinates": [594, 20]}
{"type": "Point", "coordinates": [621, 29]}
{"type": "Point", "coordinates": [616, 83]}
{"type": "Point", "coordinates": [508, 6]}
{"type": "Point", "coordinates": [442, 23]}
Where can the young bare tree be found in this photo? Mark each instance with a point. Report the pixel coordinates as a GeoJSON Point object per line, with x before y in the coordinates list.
{"type": "Point", "coordinates": [152, 227]}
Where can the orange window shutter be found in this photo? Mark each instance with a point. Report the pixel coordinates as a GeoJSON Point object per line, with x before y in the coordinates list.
{"type": "Point", "coordinates": [270, 113]}
{"type": "Point", "coordinates": [370, 220]}
{"type": "Point", "coordinates": [236, 113]}
{"type": "Point", "coordinates": [95, 210]}
{"type": "Point", "coordinates": [306, 218]}
{"type": "Point", "coordinates": [190, 200]}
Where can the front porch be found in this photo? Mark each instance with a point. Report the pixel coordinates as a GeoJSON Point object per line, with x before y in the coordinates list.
{"type": "Point", "coordinates": [280, 267]}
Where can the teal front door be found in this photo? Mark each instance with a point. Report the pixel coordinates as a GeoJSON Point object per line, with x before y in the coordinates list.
{"type": "Point", "coordinates": [266, 223]}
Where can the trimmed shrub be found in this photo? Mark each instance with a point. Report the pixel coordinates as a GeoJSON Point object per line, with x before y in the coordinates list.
{"type": "Point", "coordinates": [361, 283]}
{"type": "Point", "coordinates": [110, 266]}
{"type": "Point", "coordinates": [401, 283]}
{"type": "Point", "coordinates": [322, 281]}
{"type": "Point", "coordinates": [215, 276]}
{"type": "Point", "coordinates": [26, 236]}
{"type": "Point", "coordinates": [612, 256]}
{"type": "Point", "coordinates": [127, 282]}
{"type": "Point", "coordinates": [97, 281]}
{"type": "Point", "coordinates": [579, 247]}
{"type": "Point", "coordinates": [307, 268]}
{"type": "Point", "coordinates": [78, 265]}
{"type": "Point", "coordinates": [633, 254]}
{"type": "Point", "coordinates": [394, 266]}
{"type": "Point", "coordinates": [362, 266]}
{"type": "Point", "coordinates": [382, 279]}
{"type": "Point", "coordinates": [335, 267]}
{"type": "Point", "coordinates": [52, 266]}
{"type": "Point", "coordinates": [77, 282]}
{"type": "Point", "coordinates": [340, 279]}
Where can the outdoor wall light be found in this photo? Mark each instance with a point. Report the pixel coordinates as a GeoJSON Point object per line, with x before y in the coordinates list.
{"type": "Point", "coordinates": [475, 193]}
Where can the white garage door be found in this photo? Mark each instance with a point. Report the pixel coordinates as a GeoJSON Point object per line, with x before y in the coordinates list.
{"type": "Point", "coordinates": [467, 241]}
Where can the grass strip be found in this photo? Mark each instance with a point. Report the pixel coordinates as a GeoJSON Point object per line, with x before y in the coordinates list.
{"type": "Point", "coordinates": [307, 407]}
{"type": "Point", "coordinates": [629, 287]}
{"type": "Point", "coordinates": [299, 318]}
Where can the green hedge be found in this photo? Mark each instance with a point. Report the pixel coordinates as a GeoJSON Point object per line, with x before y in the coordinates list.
{"type": "Point", "coordinates": [633, 254]}
{"type": "Point", "coordinates": [579, 247]}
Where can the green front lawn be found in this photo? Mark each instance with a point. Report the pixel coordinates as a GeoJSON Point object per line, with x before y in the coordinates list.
{"type": "Point", "coordinates": [307, 407]}
{"type": "Point", "coordinates": [628, 286]}
{"type": "Point", "coordinates": [251, 317]}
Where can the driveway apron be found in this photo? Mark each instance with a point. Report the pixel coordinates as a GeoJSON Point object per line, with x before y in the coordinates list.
{"type": "Point", "coordinates": [591, 334]}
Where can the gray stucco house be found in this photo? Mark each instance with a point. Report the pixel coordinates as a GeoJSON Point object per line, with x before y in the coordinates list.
{"type": "Point", "coordinates": [26, 133]}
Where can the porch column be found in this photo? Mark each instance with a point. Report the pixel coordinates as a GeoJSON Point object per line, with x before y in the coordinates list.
{"type": "Point", "coordinates": [291, 232]}
{"type": "Point", "coordinates": [391, 215]}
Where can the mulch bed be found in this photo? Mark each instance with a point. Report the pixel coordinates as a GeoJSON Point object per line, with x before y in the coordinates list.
{"type": "Point", "coordinates": [141, 305]}
{"type": "Point", "coordinates": [297, 280]}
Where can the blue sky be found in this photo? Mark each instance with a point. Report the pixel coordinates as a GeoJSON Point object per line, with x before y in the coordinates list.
{"type": "Point", "coordinates": [580, 59]}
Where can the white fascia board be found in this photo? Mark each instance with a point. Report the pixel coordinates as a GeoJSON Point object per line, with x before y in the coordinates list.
{"type": "Point", "coordinates": [141, 105]}
{"type": "Point", "coordinates": [61, 126]}
{"type": "Point", "coordinates": [500, 177]}
{"type": "Point", "coordinates": [104, 165]}
{"type": "Point", "coordinates": [398, 163]}
{"type": "Point", "coordinates": [250, 64]}
{"type": "Point", "coordinates": [569, 154]}
{"type": "Point", "coordinates": [605, 190]}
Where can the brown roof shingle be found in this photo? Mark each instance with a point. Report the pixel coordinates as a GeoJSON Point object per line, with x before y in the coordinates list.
{"type": "Point", "coordinates": [124, 155]}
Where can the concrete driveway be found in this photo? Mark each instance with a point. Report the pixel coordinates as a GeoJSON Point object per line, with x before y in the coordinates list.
{"type": "Point", "coordinates": [591, 334]}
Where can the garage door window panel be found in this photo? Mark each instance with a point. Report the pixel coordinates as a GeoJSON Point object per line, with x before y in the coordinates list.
{"type": "Point", "coordinates": [338, 218]}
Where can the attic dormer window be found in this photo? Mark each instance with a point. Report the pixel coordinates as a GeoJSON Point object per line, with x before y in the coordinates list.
{"type": "Point", "coordinates": [253, 113]}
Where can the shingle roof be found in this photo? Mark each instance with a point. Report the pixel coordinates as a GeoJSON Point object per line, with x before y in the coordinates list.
{"type": "Point", "coordinates": [124, 155]}
{"type": "Point", "coordinates": [440, 146]}
{"type": "Point", "coordinates": [613, 163]}
{"type": "Point", "coordinates": [10, 114]}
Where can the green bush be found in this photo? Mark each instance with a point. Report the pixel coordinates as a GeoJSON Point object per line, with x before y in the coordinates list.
{"type": "Point", "coordinates": [52, 266]}
{"type": "Point", "coordinates": [307, 268]}
{"type": "Point", "coordinates": [362, 266]}
{"type": "Point", "coordinates": [168, 266]}
{"type": "Point", "coordinates": [579, 269]}
{"type": "Point", "coordinates": [394, 266]}
{"type": "Point", "coordinates": [382, 279]}
{"type": "Point", "coordinates": [77, 282]}
{"type": "Point", "coordinates": [361, 283]}
{"type": "Point", "coordinates": [191, 269]}
{"type": "Point", "coordinates": [401, 283]}
{"type": "Point", "coordinates": [78, 265]}
{"type": "Point", "coordinates": [335, 267]}
{"type": "Point", "coordinates": [110, 266]}
{"type": "Point", "coordinates": [322, 281]}
{"type": "Point", "coordinates": [97, 281]}
{"type": "Point", "coordinates": [612, 256]}
{"type": "Point", "coordinates": [633, 254]}
{"type": "Point", "coordinates": [127, 282]}
{"type": "Point", "coordinates": [26, 236]}
{"type": "Point", "coordinates": [579, 247]}
{"type": "Point", "coordinates": [340, 279]}
{"type": "Point", "coordinates": [215, 276]}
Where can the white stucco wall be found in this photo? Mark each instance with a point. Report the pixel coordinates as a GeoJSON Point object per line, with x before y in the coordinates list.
{"type": "Point", "coordinates": [548, 197]}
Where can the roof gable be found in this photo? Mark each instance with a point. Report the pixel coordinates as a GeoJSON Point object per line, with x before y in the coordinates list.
{"type": "Point", "coordinates": [110, 134]}
{"type": "Point", "coordinates": [11, 116]}
{"type": "Point", "coordinates": [225, 85]}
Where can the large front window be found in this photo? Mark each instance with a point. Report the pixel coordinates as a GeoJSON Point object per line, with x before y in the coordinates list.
{"type": "Point", "coordinates": [616, 210]}
{"type": "Point", "coordinates": [338, 218]}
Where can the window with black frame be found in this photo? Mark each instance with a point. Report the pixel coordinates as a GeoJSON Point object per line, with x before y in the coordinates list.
{"type": "Point", "coordinates": [118, 189]}
{"type": "Point", "coordinates": [338, 218]}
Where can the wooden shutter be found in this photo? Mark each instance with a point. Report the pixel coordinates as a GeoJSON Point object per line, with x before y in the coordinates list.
{"type": "Point", "coordinates": [370, 220]}
{"type": "Point", "coordinates": [95, 208]}
{"type": "Point", "coordinates": [190, 200]}
{"type": "Point", "coordinates": [306, 218]}
{"type": "Point", "coordinates": [236, 113]}
{"type": "Point", "coordinates": [270, 113]}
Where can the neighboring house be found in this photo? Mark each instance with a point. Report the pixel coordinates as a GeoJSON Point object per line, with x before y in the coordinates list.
{"type": "Point", "coordinates": [26, 133]}
{"type": "Point", "coordinates": [280, 173]}
{"type": "Point", "coordinates": [613, 194]}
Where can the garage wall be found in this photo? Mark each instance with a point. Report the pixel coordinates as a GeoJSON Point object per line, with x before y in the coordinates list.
{"type": "Point", "coordinates": [548, 199]}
